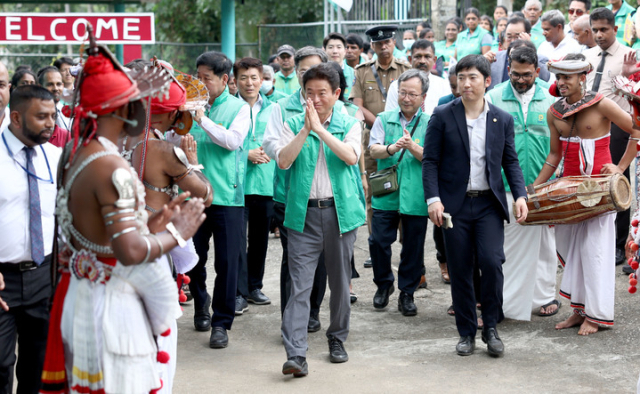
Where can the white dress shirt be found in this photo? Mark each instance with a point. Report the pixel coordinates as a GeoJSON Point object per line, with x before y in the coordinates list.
{"type": "Point", "coordinates": [566, 46]}
{"type": "Point", "coordinates": [524, 99]}
{"type": "Point", "coordinates": [230, 139]}
{"type": "Point", "coordinates": [61, 120]}
{"type": "Point", "coordinates": [14, 197]}
{"type": "Point", "coordinates": [438, 87]}
{"type": "Point", "coordinates": [255, 109]}
{"type": "Point", "coordinates": [612, 67]}
{"type": "Point", "coordinates": [6, 120]}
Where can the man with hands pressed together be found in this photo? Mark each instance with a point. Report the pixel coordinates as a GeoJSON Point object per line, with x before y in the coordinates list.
{"type": "Point", "coordinates": [462, 174]}
{"type": "Point", "coordinates": [322, 212]}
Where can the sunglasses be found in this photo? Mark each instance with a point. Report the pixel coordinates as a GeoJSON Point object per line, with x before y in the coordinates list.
{"type": "Point", "coordinates": [576, 11]}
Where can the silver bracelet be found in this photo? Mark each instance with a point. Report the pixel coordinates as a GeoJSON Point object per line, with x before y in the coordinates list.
{"type": "Point", "coordinates": [159, 243]}
{"type": "Point", "coordinates": [126, 230]}
{"type": "Point", "coordinates": [122, 219]}
{"type": "Point", "coordinates": [118, 212]}
{"type": "Point", "coordinates": [208, 192]}
{"type": "Point", "coordinates": [146, 258]}
{"type": "Point", "coordinates": [550, 165]}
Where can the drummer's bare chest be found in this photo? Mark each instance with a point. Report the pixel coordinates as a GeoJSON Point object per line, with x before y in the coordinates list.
{"type": "Point", "coordinates": [586, 124]}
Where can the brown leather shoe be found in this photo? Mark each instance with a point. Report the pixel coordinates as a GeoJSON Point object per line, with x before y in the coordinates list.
{"type": "Point", "coordinates": [444, 273]}
{"type": "Point", "coordinates": [423, 282]}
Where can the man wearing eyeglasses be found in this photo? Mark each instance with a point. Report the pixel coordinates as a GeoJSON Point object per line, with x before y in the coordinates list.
{"type": "Point", "coordinates": [529, 273]}
{"type": "Point", "coordinates": [577, 8]}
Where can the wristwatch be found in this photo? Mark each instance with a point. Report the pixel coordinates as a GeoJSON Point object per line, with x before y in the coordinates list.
{"type": "Point", "coordinates": [364, 173]}
{"type": "Point", "coordinates": [176, 235]}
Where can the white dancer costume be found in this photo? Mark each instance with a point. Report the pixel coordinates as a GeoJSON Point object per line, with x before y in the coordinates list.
{"type": "Point", "coordinates": [587, 249]}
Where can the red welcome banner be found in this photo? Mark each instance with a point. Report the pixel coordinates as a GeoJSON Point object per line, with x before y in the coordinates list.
{"type": "Point", "coordinates": [70, 28]}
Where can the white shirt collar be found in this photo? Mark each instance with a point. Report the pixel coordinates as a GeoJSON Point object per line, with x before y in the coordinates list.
{"type": "Point", "coordinates": [14, 144]}
{"type": "Point", "coordinates": [526, 95]}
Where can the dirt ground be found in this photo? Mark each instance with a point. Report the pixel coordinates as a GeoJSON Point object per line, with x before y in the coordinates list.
{"type": "Point", "coordinates": [392, 353]}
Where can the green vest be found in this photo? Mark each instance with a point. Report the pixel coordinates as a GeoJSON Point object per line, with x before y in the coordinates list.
{"type": "Point", "coordinates": [259, 176]}
{"type": "Point", "coordinates": [351, 213]}
{"type": "Point", "coordinates": [225, 169]}
{"type": "Point", "coordinates": [537, 37]}
{"type": "Point", "coordinates": [470, 44]}
{"type": "Point", "coordinates": [621, 18]}
{"type": "Point", "coordinates": [446, 53]}
{"type": "Point", "coordinates": [531, 139]}
{"type": "Point", "coordinates": [287, 85]}
{"type": "Point", "coordinates": [409, 198]}
{"type": "Point", "coordinates": [349, 76]}
{"type": "Point", "coordinates": [289, 106]}
{"type": "Point", "coordinates": [276, 95]}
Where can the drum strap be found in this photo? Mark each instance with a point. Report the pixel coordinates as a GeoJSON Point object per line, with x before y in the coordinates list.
{"type": "Point", "coordinates": [532, 191]}
{"type": "Point", "coordinates": [564, 157]}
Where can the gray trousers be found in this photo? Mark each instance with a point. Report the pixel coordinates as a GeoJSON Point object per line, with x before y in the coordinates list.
{"type": "Point", "coordinates": [321, 233]}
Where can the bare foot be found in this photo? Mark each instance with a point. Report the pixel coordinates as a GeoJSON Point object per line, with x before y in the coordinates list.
{"type": "Point", "coordinates": [480, 322]}
{"type": "Point", "coordinates": [572, 321]}
{"type": "Point", "coordinates": [587, 328]}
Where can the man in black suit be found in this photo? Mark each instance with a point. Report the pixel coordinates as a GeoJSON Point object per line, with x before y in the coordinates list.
{"type": "Point", "coordinates": [468, 143]}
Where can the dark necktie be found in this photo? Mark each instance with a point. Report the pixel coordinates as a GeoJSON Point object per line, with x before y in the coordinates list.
{"type": "Point", "coordinates": [35, 215]}
{"type": "Point", "coordinates": [596, 81]}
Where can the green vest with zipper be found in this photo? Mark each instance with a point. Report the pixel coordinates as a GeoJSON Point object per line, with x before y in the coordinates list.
{"type": "Point", "coordinates": [259, 176]}
{"type": "Point", "coordinates": [531, 138]}
{"type": "Point", "coordinates": [351, 213]}
{"type": "Point", "coordinates": [409, 198]}
{"type": "Point", "coordinates": [225, 169]}
{"type": "Point", "coordinates": [289, 106]}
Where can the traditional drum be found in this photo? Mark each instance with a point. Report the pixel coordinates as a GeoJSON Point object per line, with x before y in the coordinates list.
{"type": "Point", "coordinates": [573, 199]}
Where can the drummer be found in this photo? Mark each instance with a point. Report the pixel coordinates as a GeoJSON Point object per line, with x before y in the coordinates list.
{"type": "Point", "coordinates": [579, 124]}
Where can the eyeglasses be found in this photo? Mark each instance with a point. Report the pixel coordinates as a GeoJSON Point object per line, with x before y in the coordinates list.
{"type": "Point", "coordinates": [525, 77]}
{"type": "Point", "coordinates": [410, 95]}
{"type": "Point", "coordinates": [576, 11]}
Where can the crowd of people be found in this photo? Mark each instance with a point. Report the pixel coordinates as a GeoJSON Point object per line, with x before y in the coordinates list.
{"type": "Point", "coordinates": [113, 207]}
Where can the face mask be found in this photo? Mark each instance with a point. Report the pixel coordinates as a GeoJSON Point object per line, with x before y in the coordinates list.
{"type": "Point", "coordinates": [407, 43]}
{"type": "Point", "coordinates": [266, 87]}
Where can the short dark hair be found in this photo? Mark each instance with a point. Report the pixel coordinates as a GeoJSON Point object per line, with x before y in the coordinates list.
{"type": "Point", "coordinates": [587, 3]}
{"type": "Point", "coordinates": [17, 76]}
{"type": "Point", "coordinates": [519, 14]}
{"type": "Point", "coordinates": [308, 51]}
{"type": "Point", "coordinates": [343, 80]}
{"type": "Point", "coordinates": [523, 54]}
{"type": "Point", "coordinates": [334, 36]}
{"type": "Point", "coordinates": [425, 25]}
{"type": "Point", "coordinates": [272, 58]}
{"type": "Point", "coordinates": [413, 33]}
{"type": "Point", "coordinates": [474, 61]}
{"type": "Point", "coordinates": [355, 39]}
{"type": "Point", "coordinates": [63, 60]}
{"type": "Point", "coordinates": [423, 44]}
{"type": "Point", "coordinates": [602, 13]}
{"type": "Point", "coordinates": [42, 73]}
{"type": "Point", "coordinates": [514, 20]}
{"type": "Point", "coordinates": [22, 95]}
{"type": "Point", "coordinates": [246, 63]}
{"type": "Point", "coordinates": [454, 21]}
{"type": "Point", "coordinates": [424, 32]}
{"type": "Point", "coordinates": [506, 11]}
{"type": "Point", "coordinates": [275, 66]}
{"type": "Point", "coordinates": [472, 10]}
{"type": "Point", "coordinates": [488, 19]}
{"type": "Point", "coordinates": [322, 71]}
{"type": "Point", "coordinates": [217, 62]}
{"type": "Point", "coordinates": [520, 43]}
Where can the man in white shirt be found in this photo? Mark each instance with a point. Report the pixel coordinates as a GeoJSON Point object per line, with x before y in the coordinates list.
{"type": "Point", "coordinates": [558, 44]}
{"type": "Point", "coordinates": [50, 78]}
{"type": "Point", "coordinates": [583, 34]}
{"type": "Point", "coordinates": [422, 58]}
{"type": "Point", "coordinates": [27, 203]}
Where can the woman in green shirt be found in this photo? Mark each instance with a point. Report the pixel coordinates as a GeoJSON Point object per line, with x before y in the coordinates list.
{"type": "Point", "coordinates": [446, 49]}
{"type": "Point", "coordinates": [470, 42]}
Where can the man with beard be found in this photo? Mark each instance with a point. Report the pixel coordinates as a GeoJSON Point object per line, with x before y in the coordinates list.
{"type": "Point", "coordinates": [27, 192]}
{"type": "Point", "coordinates": [51, 79]}
{"type": "Point", "coordinates": [529, 273]}
{"type": "Point", "coordinates": [579, 124]}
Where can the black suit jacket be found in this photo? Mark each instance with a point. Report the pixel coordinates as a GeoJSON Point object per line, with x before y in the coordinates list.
{"type": "Point", "coordinates": [446, 159]}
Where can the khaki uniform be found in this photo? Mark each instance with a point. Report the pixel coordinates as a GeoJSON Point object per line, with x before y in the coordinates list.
{"type": "Point", "coordinates": [367, 89]}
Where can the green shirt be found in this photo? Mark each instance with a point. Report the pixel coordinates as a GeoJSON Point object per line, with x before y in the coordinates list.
{"type": "Point", "coordinates": [621, 17]}
{"type": "Point", "coordinates": [287, 85]}
{"type": "Point", "coordinates": [537, 37]}
{"type": "Point", "coordinates": [470, 44]}
{"type": "Point", "coordinates": [446, 53]}
{"type": "Point", "coordinates": [349, 76]}
{"type": "Point", "coordinates": [276, 95]}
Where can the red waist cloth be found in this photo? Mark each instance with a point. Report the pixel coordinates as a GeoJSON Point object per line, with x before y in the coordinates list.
{"type": "Point", "coordinates": [575, 154]}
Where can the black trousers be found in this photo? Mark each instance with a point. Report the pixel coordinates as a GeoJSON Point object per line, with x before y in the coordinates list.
{"type": "Point", "coordinates": [258, 211]}
{"type": "Point", "coordinates": [477, 236]}
{"type": "Point", "coordinates": [619, 140]}
{"type": "Point", "coordinates": [225, 224]}
{"type": "Point", "coordinates": [319, 280]}
{"type": "Point", "coordinates": [438, 239]}
{"type": "Point", "coordinates": [27, 293]}
{"type": "Point", "coordinates": [384, 229]}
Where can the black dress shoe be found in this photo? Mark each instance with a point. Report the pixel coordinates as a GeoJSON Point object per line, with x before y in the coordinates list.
{"type": "Point", "coordinates": [314, 324]}
{"type": "Point", "coordinates": [337, 354]}
{"type": "Point", "coordinates": [406, 305]}
{"type": "Point", "coordinates": [466, 346]}
{"type": "Point", "coordinates": [494, 344]}
{"type": "Point", "coordinates": [219, 338]}
{"type": "Point", "coordinates": [368, 263]}
{"type": "Point", "coordinates": [626, 269]}
{"type": "Point", "coordinates": [202, 318]}
{"type": "Point", "coordinates": [381, 298]}
{"type": "Point", "coordinates": [620, 257]}
{"type": "Point", "coordinates": [297, 366]}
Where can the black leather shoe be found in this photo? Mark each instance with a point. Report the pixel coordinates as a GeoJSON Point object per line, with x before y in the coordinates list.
{"type": "Point", "coordinates": [620, 257]}
{"type": "Point", "coordinates": [314, 324]}
{"type": "Point", "coordinates": [494, 344]}
{"type": "Point", "coordinates": [219, 338]}
{"type": "Point", "coordinates": [626, 269]}
{"type": "Point", "coordinates": [406, 305]}
{"type": "Point", "coordinates": [337, 354]}
{"type": "Point", "coordinates": [297, 366]}
{"type": "Point", "coordinates": [257, 297]}
{"type": "Point", "coordinates": [368, 263]}
{"type": "Point", "coordinates": [202, 318]}
{"type": "Point", "coordinates": [381, 298]}
{"type": "Point", "coordinates": [466, 346]}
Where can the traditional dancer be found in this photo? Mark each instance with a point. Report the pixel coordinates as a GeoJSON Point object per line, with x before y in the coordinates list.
{"type": "Point", "coordinates": [579, 124]}
{"type": "Point", "coordinates": [112, 299]}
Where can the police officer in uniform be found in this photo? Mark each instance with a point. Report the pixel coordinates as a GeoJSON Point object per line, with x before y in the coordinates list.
{"type": "Point", "coordinates": [369, 92]}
